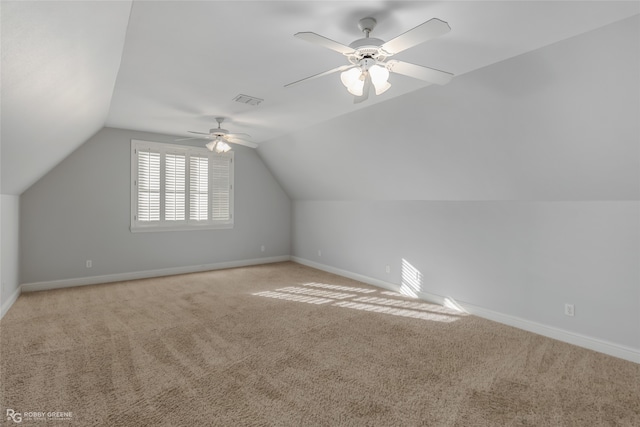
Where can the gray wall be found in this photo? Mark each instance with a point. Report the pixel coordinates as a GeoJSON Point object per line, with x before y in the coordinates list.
{"type": "Point", "coordinates": [523, 259]}
{"type": "Point", "coordinates": [81, 210]}
{"type": "Point", "coordinates": [9, 248]}
{"type": "Point", "coordinates": [514, 188]}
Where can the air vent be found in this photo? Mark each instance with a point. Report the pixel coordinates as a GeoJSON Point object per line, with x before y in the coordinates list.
{"type": "Point", "coordinates": [246, 99]}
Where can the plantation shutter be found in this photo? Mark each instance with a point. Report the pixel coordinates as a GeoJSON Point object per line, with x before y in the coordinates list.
{"type": "Point", "coordinates": [148, 185]}
{"type": "Point", "coordinates": [174, 187]}
{"type": "Point", "coordinates": [221, 192]}
{"type": "Point", "coordinates": [198, 188]}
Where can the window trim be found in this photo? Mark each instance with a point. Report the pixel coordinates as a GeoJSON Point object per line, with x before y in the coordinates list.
{"type": "Point", "coordinates": [187, 224]}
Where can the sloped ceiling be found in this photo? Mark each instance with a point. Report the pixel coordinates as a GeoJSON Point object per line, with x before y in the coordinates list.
{"type": "Point", "coordinates": [59, 66]}
{"type": "Point", "coordinates": [70, 68]}
{"type": "Point", "coordinates": [559, 123]}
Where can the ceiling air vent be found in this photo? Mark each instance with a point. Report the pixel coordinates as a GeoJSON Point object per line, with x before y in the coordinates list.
{"type": "Point", "coordinates": [246, 99]}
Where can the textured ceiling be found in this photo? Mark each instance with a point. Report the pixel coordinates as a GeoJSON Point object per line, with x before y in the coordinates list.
{"type": "Point", "coordinates": [70, 68]}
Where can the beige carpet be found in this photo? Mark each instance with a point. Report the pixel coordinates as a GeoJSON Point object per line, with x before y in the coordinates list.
{"type": "Point", "coordinates": [283, 344]}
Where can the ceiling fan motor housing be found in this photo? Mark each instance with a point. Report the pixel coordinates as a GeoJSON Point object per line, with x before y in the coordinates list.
{"type": "Point", "coordinates": [367, 47]}
{"type": "Point", "coordinates": [218, 131]}
{"type": "Point", "coordinates": [367, 43]}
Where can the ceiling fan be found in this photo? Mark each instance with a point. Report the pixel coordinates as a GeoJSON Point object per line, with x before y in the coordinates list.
{"type": "Point", "coordinates": [368, 57]}
{"type": "Point", "coordinates": [220, 138]}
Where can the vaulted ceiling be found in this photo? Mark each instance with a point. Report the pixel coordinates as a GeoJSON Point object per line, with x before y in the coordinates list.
{"type": "Point", "coordinates": [71, 68]}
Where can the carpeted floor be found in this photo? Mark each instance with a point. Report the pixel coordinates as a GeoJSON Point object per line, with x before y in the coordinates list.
{"type": "Point", "coordinates": [283, 344]}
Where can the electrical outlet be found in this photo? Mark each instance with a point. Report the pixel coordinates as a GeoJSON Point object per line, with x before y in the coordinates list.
{"type": "Point", "coordinates": [89, 263]}
{"type": "Point", "coordinates": [388, 269]}
{"type": "Point", "coordinates": [569, 309]}
{"type": "Point", "coordinates": [262, 248]}
{"type": "Point", "coordinates": [319, 252]}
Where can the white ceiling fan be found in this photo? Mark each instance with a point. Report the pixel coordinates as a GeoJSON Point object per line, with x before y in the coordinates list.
{"type": "Point", "coordinates": [220, 138]}
{"type": "Point", "coordinates": [369, 65]}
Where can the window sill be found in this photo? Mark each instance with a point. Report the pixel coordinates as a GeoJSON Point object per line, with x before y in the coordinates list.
{"type": "Point", "coordinates": [160, 228]}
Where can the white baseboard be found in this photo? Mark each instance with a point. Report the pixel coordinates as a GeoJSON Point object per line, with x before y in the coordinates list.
{"type": "Point", "coordinates": [596, 344]}
{"type": "Point", "coordinates": [345, 273]}
{"type": "Point", "coordinates": [6, 305]}
{"type": "Point", "coordinates": [119, 277]}
{"type": "Point", "coordinates": [612, 349]}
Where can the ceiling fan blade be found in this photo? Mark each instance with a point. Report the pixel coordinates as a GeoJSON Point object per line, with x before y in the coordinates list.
{"type": "Point", "coordinates": [239, 135]}
{"type": "Point", "coordinates": [365, 90]}
{"type": "Point", "coordinates": [430, 75]}
{"type": "Point", "coordinates": [242, 142]}
{"type": "Point", "coordinates": [185, 139]}
{"type": "Point", "coordinates": [198, 133]}
{"type": "Point", "coordinates": [423, 32]}
{"type": "Point", "coordinates": [324, 73]}
{"type": "Point", "coordinates": [323, 41]}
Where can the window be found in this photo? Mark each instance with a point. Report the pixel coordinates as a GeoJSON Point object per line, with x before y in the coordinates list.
{"type": "Point", "coordinates": [174, 187]}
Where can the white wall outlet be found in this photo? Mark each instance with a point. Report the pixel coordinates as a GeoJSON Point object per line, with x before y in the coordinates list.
{"type": "Point", "coordinates": [319, 252]}
{"type": "Point", "coordinates": [89, 263]}
{"type": "Point", "coordinates": [262, 248]}
{"type": "Point", "coordinates": [569, 309]}
{"type": "Point", "coordinates": [388, 269]}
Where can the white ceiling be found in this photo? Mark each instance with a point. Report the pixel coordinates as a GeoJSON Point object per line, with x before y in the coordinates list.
{"type": "Point", "coordinates": [70, 68]}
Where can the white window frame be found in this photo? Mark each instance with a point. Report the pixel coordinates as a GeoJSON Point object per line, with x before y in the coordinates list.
{"type": "Point", "coordinates": [187, 224]}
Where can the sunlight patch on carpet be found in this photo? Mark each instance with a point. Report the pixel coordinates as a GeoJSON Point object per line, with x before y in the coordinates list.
{"type": "Point", "coordinates": [397, 294]}
{"type": "Point", "coordinates": [397, 307]}
{"type": "Point", "coordinates": [339, 288]}
{"type": "Point", "coordinates": [315, 292]}
{"type": "Point", "coordinates": [293, 297]}
{"type": "Point", "coordinates": [398, 311]}
{"type": "Point", "coordinates": [433, 308]}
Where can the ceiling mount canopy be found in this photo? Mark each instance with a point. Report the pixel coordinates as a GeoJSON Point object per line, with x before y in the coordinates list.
{"type": "Point", "coordinates": [368, 56]}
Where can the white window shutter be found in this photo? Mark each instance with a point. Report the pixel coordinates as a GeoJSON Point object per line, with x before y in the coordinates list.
{"type": "Point", "coordinates": [198, 188]}
{"type": "Point", "coordinates": [221, 194]}
{"type": "Point", "coordinates": [174, 187]}
{"type": "Point", "coordinates": [148, 186]}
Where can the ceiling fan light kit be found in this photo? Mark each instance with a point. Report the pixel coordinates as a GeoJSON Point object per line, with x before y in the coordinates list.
{"type": "Point", "coordinates": [218, 145]}
{"type": "Point", "coordinates": [354, 78]}
{"type": "Point", "coordinates": [352, 81]}
{"type": "Point", "coordinates": [380, 78]}
{"type": "Point", "coordinates": [368, 57]}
